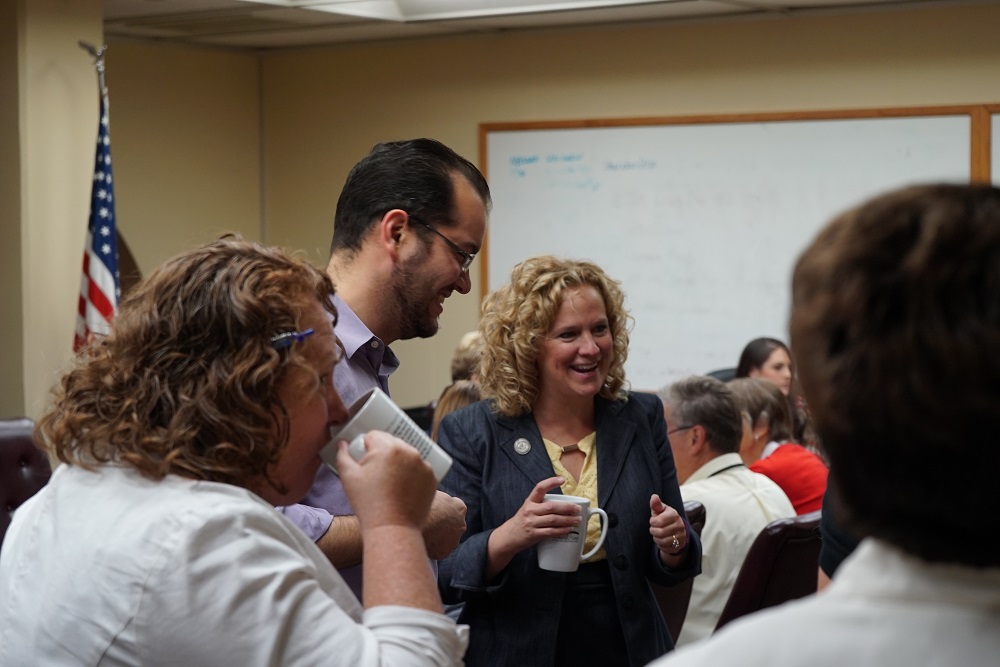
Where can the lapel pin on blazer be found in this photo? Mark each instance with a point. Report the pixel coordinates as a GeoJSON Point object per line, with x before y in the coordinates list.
{"type": "Point", "coordinates": [522, 446]}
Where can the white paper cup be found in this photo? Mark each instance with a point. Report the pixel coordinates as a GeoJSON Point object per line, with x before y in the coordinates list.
{"type": "Point", "coordinates": [564, 553]}
{"type": "Point", "coordinates": [375, 411]}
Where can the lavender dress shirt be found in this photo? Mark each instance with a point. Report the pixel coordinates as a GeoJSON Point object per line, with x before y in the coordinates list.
{"type": "Point", "coordinates": [367, 363]}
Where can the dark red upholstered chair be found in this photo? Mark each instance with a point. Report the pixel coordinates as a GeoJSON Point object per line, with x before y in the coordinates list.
{"type": "Point", "coordinates": [673, 600]}
{"type": "Point", "coordinates": [780, 566]}
{"type": "Point", "coordinates": [24, 469]}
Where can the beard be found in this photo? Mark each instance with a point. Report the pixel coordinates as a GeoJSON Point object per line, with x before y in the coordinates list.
{"type": "Point", "coordinates": [414, 295]}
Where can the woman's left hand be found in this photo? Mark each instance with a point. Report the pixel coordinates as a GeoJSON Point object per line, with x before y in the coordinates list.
{"type": "Point", "coordinates": [668, 530]}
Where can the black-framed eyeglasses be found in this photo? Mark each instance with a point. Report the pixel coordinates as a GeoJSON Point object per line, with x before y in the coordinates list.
{"type": "Point", "coordinates": [681, 428]}
{"type": "Point", "coordinates": [467, 258]}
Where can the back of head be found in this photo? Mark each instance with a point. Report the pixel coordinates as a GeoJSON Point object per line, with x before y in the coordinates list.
{"type": "Point", "coordinates": [414, 176]}
{"type": "Point", "coordinates": [465, 358]}
{"type": "Point", "coordinates": [456, 395]}
{"type": "Point", "coordinates": [764, 404]}
{"type": "Point", "coordinates": [895, 321]}
{"type": "Point", "coordinates": [756, 353]}
{"type": "Point", "coordinates": [185, 383]}
{"type": "Point", "coordinates": [517, 316]}
{"type": "Point", "coordinates": [709, 402]}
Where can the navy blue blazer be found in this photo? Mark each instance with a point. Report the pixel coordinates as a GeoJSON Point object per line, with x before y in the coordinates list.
{"type": "Point", "coordinates": [514, 618]}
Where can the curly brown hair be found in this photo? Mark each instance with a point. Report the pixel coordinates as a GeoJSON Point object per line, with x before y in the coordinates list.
{"type": "Point", "coordinates": [518, 315]}
{"type": "Point", "coordinates": [185, 384]}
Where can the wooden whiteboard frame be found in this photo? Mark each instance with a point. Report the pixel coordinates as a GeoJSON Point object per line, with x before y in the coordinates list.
{"type": "Point", "coordinates": [980, 117]}
{"type": "Point", "coordinates": [990, 158]}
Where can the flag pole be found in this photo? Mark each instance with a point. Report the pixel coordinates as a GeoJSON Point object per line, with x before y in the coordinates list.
{"type": "Point", "coordinates": [99, 283]}
{"type": "Point", "coordinates": [98, 55]}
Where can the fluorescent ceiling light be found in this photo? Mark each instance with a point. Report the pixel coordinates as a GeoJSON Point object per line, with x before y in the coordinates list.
{"type": "Point", "coordinates": [440, 10]}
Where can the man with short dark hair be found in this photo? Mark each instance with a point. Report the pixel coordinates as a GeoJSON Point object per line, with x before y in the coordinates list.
{"type": "Point", "coordinates": [410, 219]}
{"type": "Point", "coordinates": [705, 429]}
{"type": "Point", "coordinates": [895, 324]}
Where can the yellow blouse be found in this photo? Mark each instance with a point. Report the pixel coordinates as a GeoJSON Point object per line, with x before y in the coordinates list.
{"type": "Point", "coordinates": [585, 487]}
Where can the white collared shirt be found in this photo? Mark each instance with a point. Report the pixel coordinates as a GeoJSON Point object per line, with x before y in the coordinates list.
{"type": "Point", "coordinates": [738, 504]}
{"type": "Point", "coordinates": [885, 608]}
{"type": "Point", "coordinates": [110, 568]}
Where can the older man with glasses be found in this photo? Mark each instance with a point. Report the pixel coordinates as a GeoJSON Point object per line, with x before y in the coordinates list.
{"type": "Point", "coordinates": [705, 427]}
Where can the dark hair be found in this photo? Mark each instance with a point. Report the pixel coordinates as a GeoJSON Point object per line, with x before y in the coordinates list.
{"type": "Point", "coordinates": [415, 176]}
{"type": "Point", "coordinates": [756, 353]}
{"type": "Point", "coordinates": [754, 356]}
{"type": "Point", "coordinates": [186, 382]}
{"type": "Point", "coordinates": [896, 322]}
{"type": "Point", "coordinates": [764, 402]}
{"type": "Point", "coordinates": [709, 402]}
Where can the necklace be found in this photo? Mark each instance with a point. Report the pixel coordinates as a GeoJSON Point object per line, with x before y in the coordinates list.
{"type": "Point", "coordinates": [569, 448]}
{"type": "Point", "coordinates": [722, 470]}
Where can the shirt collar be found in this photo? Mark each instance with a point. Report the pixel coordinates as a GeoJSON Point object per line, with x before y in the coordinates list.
{"type": "Point", "coordinates": [354, 335]}
{"type": "Point", "coordinates": [769, 449]}
{"type": "Point", "coordinates": [714, 466]}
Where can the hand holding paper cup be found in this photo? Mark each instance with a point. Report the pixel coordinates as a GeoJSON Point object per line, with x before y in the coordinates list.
{"type": "Point", "coordinates": [375, 411]}
{"type": "Point", "coordinates": [564, 553]}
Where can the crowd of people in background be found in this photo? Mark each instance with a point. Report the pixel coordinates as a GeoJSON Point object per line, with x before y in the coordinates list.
{"type": "Point", "coordinates": [193, 498]}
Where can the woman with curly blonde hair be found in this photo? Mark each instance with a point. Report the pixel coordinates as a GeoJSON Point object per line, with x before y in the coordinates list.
{"type": "Point", "coordinates": [157, 541]}
{"type": "Point", "coordinates": [559, 419]}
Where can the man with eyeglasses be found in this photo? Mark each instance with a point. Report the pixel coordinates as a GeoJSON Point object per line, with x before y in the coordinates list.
{"type": "Point", "coordinates": [410, 219]}
{"type": "Point", "coordinates": [705, 428]}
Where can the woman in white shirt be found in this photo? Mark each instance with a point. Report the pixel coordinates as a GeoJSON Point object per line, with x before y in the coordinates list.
{"type": "Point", "coordinates": [157, 543]}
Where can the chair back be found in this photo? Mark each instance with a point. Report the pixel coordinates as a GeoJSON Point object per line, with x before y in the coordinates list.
{"type": "Point", "coordinates": [722, 374]}
{"type": "Point", "coordinates": [674, 600]}
{"type": "Point", "coordinates": [781, 565]}
{"type": "Point", "coordinates": [24, 468]}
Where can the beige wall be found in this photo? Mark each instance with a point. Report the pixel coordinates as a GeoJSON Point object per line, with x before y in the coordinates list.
{"type": "Point", "coordinates": [325, 107]}
{"type": "Point", "coordinates": [11, 281]}
{"type": "Point", "coordinates": [58, 127]}
{"type": "Point", "coordinates": [185, 134]}
{"type": "Point", "coordinates": [190, 156]}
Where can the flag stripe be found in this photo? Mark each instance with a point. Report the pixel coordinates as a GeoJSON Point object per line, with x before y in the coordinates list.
{"type": "Point", "coordinates": [99, 286]}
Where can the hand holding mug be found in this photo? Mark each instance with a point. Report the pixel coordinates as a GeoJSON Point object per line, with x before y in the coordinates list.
{"type": "Point", "coordinates": [390, 485]}
{"type": "Point", "coordinates": [375, 411]}
{"type": "Point", "coordinates": [564, 553]}
{"type": "Point", "coordinates": [537, 518]}
{"type": "Point", "coordinates": [534, 521]}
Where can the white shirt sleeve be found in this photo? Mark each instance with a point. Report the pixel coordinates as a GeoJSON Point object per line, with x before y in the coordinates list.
{"type": "Point", "coordinates": [246, 588]}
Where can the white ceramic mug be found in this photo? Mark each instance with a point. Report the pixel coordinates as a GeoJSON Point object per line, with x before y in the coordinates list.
{"type": "Point", "coordinates": [564, 553]}
{"type": "Point", "coordinates": [375, 411]}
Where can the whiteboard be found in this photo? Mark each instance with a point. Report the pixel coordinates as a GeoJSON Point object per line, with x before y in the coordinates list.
{"type": "Point", "coordinates": [995, 148]}
{"type": "Point", "coordinates": [701, 223]}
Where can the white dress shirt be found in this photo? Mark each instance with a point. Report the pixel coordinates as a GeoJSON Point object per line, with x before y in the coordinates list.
{"type": "Point", "coordinates": [738, 504]}
{"type": "Point", "coordinates": [110, 568]}
{"type": "Point", "coordinates": [885, 608]}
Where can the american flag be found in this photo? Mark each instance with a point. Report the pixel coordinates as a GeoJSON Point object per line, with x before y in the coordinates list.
{"type": "Point", "coordinates": [99, 288]}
